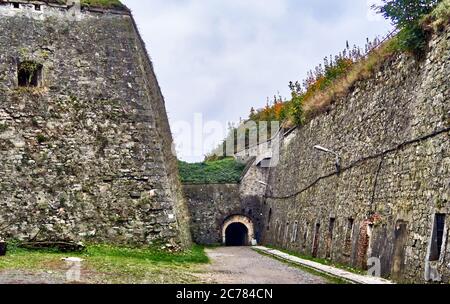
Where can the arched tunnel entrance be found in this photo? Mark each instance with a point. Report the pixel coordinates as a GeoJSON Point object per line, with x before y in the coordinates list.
{"type": "Point", "coordinates": [238, 230]}
{"type": "Point", "coordinates": [236, 235]}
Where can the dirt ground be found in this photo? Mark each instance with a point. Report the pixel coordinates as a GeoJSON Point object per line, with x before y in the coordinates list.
{"type": "Point", "coordinates": [242, 265]}
{"type": "Point", "coordinates": [229, 265]}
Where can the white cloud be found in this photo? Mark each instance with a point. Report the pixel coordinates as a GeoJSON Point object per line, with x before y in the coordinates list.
{"type": "Point", "coordinates": [221, 57]}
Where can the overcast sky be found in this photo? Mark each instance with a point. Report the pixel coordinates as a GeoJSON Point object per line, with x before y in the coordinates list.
{"type": "Point", "coordinates": [221, 57]}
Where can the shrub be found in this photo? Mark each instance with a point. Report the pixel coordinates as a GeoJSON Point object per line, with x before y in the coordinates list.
{"type": "Point", "coordinates": [336, 77]}
{"type": "Point", "coordinates": [223, 171]}
{"type": "Point", "coordinates": [404, 13]}
{"type": "Point", "coordinates": [412, 38]}
{"type": "Point", "coordinates": [442, 11]}
{"type": "Point", "coordinates": [440, 16]}
{"type": "Point", "coordinates": [296, 111]}
{"type": "Point", "coordinates": [407, 16]}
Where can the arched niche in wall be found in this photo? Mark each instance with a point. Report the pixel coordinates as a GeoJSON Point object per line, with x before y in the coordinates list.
{"type": "Point", "coordinates": [238, 230]}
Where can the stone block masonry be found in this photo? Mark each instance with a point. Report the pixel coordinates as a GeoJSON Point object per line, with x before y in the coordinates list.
{"type": "Point", "coordinates": [85, 144]}
{"type": "Point", "coordinates": [212, 205]}
{"type": "Point", "coordinates": [390, 202]}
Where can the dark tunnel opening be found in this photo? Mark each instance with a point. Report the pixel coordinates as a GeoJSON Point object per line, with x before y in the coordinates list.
{"type": "Point", "coordinates": [236, 235]}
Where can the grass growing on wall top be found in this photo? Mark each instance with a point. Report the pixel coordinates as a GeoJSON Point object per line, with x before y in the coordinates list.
{"type": "Point", "coordinates": [222, 171]}
{"type": "Point", "coordinates": [103, 3]}
{"type": "Point", "coordinates": [330, 83]}
{"type": "Point", "coordinates": [93, 3]}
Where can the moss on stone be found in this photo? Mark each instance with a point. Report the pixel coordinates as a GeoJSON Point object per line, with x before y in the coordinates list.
{"type": "Point", "coordinates": [41, 138]}
{"type": "Point", "coordinates": [115, 4]}
{"type": "Point", "coordinates": [3, 127]}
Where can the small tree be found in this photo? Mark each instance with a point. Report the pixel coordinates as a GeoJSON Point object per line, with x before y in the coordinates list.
{"type": "Point", "coordinates": [296, 109]}
{"type": "Point", "coordinates": [407, 14]}
{"type": "Point", "coordinates": [404, 13]}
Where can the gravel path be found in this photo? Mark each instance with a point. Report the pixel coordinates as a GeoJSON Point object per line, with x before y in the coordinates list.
{"type": "Point", "coordinates": [242, 265]}
{"type": "Point", "coordinates": [32, 277]}
{"type": "Point", "coordinates": [229, 265]}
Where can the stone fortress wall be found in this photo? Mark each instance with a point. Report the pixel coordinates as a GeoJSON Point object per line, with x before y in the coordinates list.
{"type": "Point", "coordinates": [390, 201]}
{"type": "Point", "coordinates": [388, 204]}
{"type": "Point", "coordinates": [211, 205]}
{"type": "Point", "coordinates": [86, 153]}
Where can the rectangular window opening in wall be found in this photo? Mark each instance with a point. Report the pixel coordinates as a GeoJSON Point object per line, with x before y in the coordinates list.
{"type": "Point", "coordinates": [315, 249]}
{"type": "Point", "coordinates": [278, 229]}
{"type": "Point", "coordinates": [286, 232]}
{"type": "Point", "coordinates": [37, 7]}
{"type": "Point", "coordinates": [437, 237]}
{"type": "Point", "coordinates": [294, 232]}
{"type": "Point", "coordinates": [331, 227]}
{"type": "Point", "coordinates": [269, 219]}
{"type": "Point", "coordinates": [16, 5]}
{"type": "Point", "coordinates": [348, 237]}
{"type": "Point", "coordinates": [29, 74]}
{"type": "Point", "coordinates": [305, 235]}
{"type": "Point", "coordinates": [350, 224]}
{"type": "Point", "coordinates": [330, 237]}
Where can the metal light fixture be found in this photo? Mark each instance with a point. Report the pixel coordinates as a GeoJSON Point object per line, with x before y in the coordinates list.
{"type": "Point", "coordinates": [338, 158]}
{"type": "Point", "coordinates": [263, 183]}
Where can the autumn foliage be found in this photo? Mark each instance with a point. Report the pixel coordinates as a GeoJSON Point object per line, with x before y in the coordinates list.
{"type": "Point", "coordinates": [291, 111]}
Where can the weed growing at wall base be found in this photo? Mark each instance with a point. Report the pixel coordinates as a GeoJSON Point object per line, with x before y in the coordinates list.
{"type": "Point", "coordinates": [329, 278]}
{"type": "Point", "coordinates": [320, 260]}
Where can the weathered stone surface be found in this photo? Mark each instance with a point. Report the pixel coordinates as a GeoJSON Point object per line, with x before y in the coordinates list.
{"type": "Point", "coordinates": [211, 205]}
{"type": "Point", "coordinates": [87, 155]}
{"type": "Point", "coordinates": [60, 246]}
{"type": "Point", "coordinates": [392, 134]}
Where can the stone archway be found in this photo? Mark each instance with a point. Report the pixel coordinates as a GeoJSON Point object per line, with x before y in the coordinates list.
{"type": "Point", "coordinates": [238, 230]}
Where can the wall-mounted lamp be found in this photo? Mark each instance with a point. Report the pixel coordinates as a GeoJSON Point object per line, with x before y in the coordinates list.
{"type": "Point", "coordinates": [338, 158]}
{"type": "Point", "coordinates": [263, 183]}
